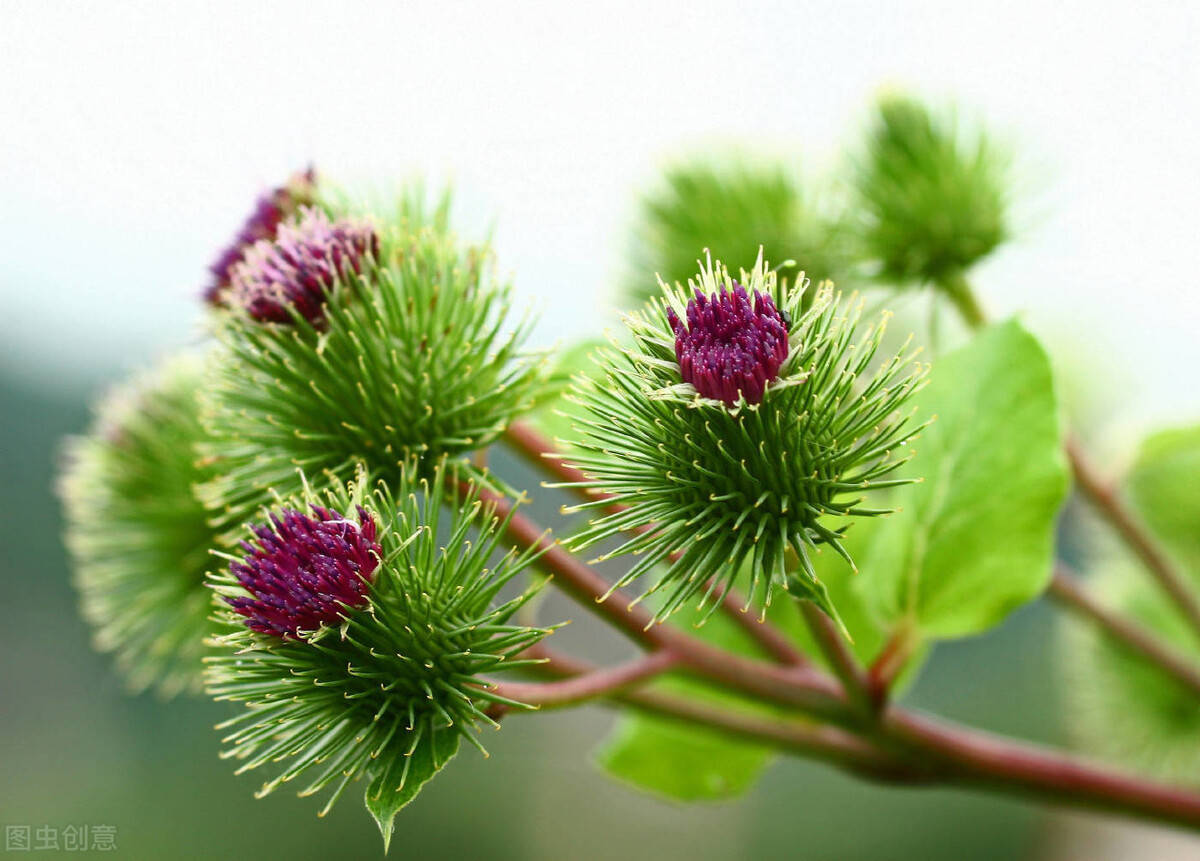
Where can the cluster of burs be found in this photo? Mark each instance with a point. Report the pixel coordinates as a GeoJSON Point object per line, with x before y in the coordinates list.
{"type": "Point", "coordinates": [297, 516]}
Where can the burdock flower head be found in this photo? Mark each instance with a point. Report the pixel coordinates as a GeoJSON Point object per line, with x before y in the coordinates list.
{"type": "Point", "coordinates": [139, 538]}
{"type": "Point", "coordinates": [304, 572]}
{"type": "Point", "coordinates": [743, 440]}
{"type": "Point", "coordinates": [363, 635]}
{"type": "Point", "coordinates": [271, 210]}
{"type": "Point", "coordinates": [732, 345]}
{"type": "Point", "coordinates": [414, 352]}
{"type": "Point", "coordinates": [293, 274]}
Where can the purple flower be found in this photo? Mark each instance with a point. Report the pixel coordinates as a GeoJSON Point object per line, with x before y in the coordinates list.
{"type": "Point", "coordinates": [303, 572]}
{"type": "Point", "coordinates": [299, 267]}
{"type": "Point", "coordinates": [272, 209]}
{"type": "Point", "coordinates": [731, 344]}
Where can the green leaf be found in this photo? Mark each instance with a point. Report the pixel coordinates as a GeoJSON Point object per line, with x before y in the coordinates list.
{"type": "Point", "coordinates": [681, 761]}
{"type": "Point", "coordinates": [1162, 486]}
{"type": "Point", "coordinates": [396, 782]}
{"type": "Point", "coordinates": [976, 539]}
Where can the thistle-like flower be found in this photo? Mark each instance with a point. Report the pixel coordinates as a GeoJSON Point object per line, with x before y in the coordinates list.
{"type": "Point", "coordinates": [304, 572]}
{"type": "Point", "coordinates": [293, 273]}
{"type": "Point", "coordinates": [139, 538]}
{"type": "Point", "coordinates": [361, 639]}
{"type": "Point", "coordinates": [271, 210]}
{"type": "Point", "coordinates": [747, 436]}
{"type": "Point", "coordinates": [935, 202]}
{"type": "Point", "coordinates": [412, 355]}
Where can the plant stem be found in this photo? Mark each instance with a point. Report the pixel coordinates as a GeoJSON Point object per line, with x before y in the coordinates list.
{"type": "Point", "coordinates": [573, 576]}
{"type": "Point", "coordinates": [824, 743]}
{"type": "Point", "coordinates": [594, 683]}
{"type": "Point", "coordinates": [958, 291]}
{"type": "Point", "coordinates": [1066, 589]}
{"type": "Point", "coordinates": [804, 688]}
{"type": "Point", "coordinates": [539, 451]}
{"type": "Point", "coordinates": [1108, 502]}
{"type": "Point", "coordinates": [976, 758]}
{"type": "Point", "coordinates": [890, 662]}
{"type": "Point", "coordinates": [914, 748]}
{"type": "Point", "coordinates": [837, 653]}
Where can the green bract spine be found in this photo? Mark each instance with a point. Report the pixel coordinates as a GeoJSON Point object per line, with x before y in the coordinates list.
{"type": "Point", "coordinates": [390, 692]}
{"type": "Point", "coordinates": [138, 536]}
{"type": "Point", "coordinates": [708, 487]}
{"type": "Point", "coordinates": [415, 354]}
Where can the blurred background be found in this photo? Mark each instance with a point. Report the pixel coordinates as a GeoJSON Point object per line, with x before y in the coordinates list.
{"type": "Point", "coordinates": [134, 137]}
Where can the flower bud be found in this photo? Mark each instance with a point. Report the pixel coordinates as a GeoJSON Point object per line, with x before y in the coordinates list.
{"type": "Point", "coordinates": [935, 201]}
{"type": "Point", "coordinates": [293, 273]}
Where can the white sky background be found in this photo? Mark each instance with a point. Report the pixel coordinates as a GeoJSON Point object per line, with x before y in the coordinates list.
{"type": "Point", "coordinates": [135, 136]}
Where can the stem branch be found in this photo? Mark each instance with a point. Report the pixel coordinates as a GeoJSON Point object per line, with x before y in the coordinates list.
{"type": "Point", "coordinates": [845, 666]}
{"type": "Point", "coordinates": [589, 685]}
{"type": "Point", "coordinates": [1069, 592]}
{"type": "Point", "coordinates": [1112, 508]}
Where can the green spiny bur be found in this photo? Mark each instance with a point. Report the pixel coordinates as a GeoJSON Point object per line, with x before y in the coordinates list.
{"type": "Point", "coordinates": [934, 200]}
{"type": "Point", "coordinates": [389, 692]}
{"type": "Point", "coordinates": [138, 536]}
{"type": "Point", "coordinates": [414, 354]}
{"type": "Point", "coordinates": [768, 483]}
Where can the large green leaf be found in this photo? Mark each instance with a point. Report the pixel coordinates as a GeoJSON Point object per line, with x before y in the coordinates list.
{"type": "Point", "coordinates": [1164, 485]}
{"type": "Point", "coordinates": [975, 539]}
{"type": "Point", "coordinates": [396, 782]}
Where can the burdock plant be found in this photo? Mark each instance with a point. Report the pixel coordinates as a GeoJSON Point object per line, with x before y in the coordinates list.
{"type": "Point", "coordinates": [735, 449]}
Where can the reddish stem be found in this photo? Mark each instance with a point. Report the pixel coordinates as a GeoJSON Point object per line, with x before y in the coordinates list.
{"type": "Point", "coordinates": [1066, 589]}
{"type": "Point", "coordinates": [837, 653]}
{"type": "Point", "coordinates": [594, 683]}
{"type": "Point", "coordinates": [977, 758]}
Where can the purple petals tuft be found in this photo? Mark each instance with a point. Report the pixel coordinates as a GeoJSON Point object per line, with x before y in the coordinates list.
{"type": "Point", "coordinates": [733, 344]}
{"type": "Point", "coordinates": [296, 271]}
{"type": "Point", "coordinates": [272, 209]}
{"type": "Point", "coordinates": [304, 571]}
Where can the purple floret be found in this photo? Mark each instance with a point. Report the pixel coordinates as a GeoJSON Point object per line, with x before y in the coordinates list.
{"type": "Point", "coordinates": [296, 271]}
{"type": "Point", "coordinates": [272, 209]}
{"type": "Point", "coordinates": [304, 572]}
{"type": "Point", "coordinates": [733, 344]}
